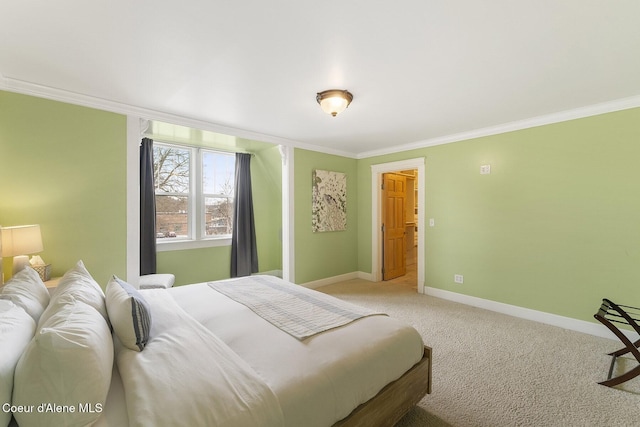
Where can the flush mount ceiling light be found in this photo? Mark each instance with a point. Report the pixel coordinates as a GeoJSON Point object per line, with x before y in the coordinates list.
{"type": "Point", "coordinates": [334, 101]}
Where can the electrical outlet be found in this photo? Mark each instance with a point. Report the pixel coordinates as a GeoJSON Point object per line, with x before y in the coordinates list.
{"type": "Point", "coordinates": [432, 222]}
{"type": "Point", "coordinates": [485, 169]}
{"type": "Point", "coordinates": [458, 278]}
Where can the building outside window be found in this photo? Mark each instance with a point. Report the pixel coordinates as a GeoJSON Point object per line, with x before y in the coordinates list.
{"type": "Point", "coordinates": [194, 193]}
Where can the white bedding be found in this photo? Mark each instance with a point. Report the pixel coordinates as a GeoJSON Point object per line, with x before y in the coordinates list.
{"type": "Point", "coordinates": [291, 308]}
{"type": "Point", "coordinates": [186, 376]}
{"type": "Point", "coordinates": [317, 381]}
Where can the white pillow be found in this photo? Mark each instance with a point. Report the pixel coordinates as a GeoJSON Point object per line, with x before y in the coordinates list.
{"type": "Point", "coordinates": [16, 330]}
{"type": "Point", "coordinates": [28, 291]}
{"type": "Point", "coordinates": [81, 285]}
{"type": "Point", "coordinates": [68, 363]}
{"type": "Point", "coordinates": [129, 314]}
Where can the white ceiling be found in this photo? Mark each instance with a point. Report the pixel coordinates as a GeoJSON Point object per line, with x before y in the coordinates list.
{"type": "Point", "coordinates": [419, 70]}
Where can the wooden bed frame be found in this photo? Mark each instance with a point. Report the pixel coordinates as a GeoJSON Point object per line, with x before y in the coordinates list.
{"type": "Point", "coordinates": [392, 402]}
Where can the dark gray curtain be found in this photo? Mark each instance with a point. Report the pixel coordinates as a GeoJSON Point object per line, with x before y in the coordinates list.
{"type": "Point", "coordinates": [244, 254]}
{"type": "Point", "coordinates": [147, 209]}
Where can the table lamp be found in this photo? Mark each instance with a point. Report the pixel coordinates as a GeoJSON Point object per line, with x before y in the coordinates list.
{"type": "Point", "coordinates": [19, 242]}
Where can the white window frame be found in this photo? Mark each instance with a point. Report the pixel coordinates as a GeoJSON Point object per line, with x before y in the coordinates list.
{"type": "Point", "coordinates": [196, 218]}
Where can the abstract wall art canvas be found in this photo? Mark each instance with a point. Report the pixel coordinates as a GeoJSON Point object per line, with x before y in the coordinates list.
{"type": "Point", "coordinates": [329, 207]}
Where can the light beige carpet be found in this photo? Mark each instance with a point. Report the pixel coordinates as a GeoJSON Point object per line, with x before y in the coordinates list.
{"type": "Point", "coordinates": [491, 369]}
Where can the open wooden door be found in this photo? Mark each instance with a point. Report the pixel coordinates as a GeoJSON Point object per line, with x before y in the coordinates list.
{"type": "Point", "coordinates": [394, 188]}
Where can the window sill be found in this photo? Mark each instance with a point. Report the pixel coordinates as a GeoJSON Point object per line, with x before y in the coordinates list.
{"type": "Point", "coordinates": [180, 245]}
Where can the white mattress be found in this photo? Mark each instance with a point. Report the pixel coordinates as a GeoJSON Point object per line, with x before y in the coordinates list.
{"type": "Point", "coordinates": [317, 381]}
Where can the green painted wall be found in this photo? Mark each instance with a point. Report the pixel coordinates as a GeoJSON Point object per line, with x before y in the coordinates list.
{"type": "Point", "coordinates": [321, 255]}
{"type": "Point", "coordinates": [196, 265]}
{"type": "Point", "coordinates": [266, 183]}
{"type": "Point", "coordinates": [555, 227]}
{"type": "Point", "coordinates": [63, 167]}
{"type": "Point", "coordinates": [215, 263]}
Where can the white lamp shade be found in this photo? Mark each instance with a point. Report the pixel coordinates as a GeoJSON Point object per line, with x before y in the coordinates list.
{"type": "Point", "coordinates": [21, 240]}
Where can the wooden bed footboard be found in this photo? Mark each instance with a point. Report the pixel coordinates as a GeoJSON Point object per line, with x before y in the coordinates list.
{"type": "Point", "coordinates": [396, 399]}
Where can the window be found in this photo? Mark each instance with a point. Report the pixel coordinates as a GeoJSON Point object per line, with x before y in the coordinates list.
{"type": "Point", "coordinates": [218, 174]}
{"type": "Point", "coordinates": [194, 193]}
{"type": "Point", "coordinates": [172, 178]}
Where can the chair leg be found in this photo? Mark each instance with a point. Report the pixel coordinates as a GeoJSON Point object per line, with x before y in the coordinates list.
{"type": "Point", "coordinates": [613, 364]}
{"type": "Point", "coordinates": [622, 378]}
{"type": "Point", "coordinates": [629, 348]}
{"type": "Point", "coordinates": [624, 350]}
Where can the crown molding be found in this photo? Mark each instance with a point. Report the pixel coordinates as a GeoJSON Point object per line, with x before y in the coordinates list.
{"type": "Point", "coordinates": [54, 94]}
{"type": "Point", "coordinates": [47, 92]}
{"type": "Point", "coordinates": [562, 116]}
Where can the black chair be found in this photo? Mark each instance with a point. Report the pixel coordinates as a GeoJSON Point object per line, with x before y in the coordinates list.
{"type": "Point", "coordinates": [608, 314]}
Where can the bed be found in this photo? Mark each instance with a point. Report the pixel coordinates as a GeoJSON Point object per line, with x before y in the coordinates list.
{"type": "Point", "coordinates": [210, 357]}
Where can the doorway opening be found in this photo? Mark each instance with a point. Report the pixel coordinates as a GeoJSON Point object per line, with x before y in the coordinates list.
{"type": "Point", "coordinates": [398, 222]}
{"type": "Point", "coordinates": [399, 227]}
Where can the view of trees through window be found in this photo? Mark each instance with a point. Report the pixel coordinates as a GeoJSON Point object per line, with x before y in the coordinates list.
{"type": "Point", "coordinates": [177, 200]}
{"type": "Point", "coordinates": [218, 174]}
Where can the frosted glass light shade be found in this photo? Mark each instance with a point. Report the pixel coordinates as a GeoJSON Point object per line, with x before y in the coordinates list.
{"type": "Point", "coordinates": [334, 101]}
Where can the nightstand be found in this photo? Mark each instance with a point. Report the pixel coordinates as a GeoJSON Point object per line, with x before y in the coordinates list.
{"type": "Point", "coordinates": [52, 284]}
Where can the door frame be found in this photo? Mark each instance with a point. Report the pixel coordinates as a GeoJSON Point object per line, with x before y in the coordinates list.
{"type": "Point", "coordinates": [376, 215]}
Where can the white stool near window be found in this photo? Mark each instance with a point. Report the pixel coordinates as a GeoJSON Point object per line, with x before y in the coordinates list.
{"type": "Point", "coordinates": [156, 281]}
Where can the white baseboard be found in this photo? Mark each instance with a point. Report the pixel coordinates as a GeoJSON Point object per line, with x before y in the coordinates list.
{"type": "Point", "coordinates": [340, 278]}
{"type": "Point", "coordinates": [569, 323]}
{"type": "Point", "coordinates": [365, 276]}
{"type": "Point", "coordinates": [529, 314]}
